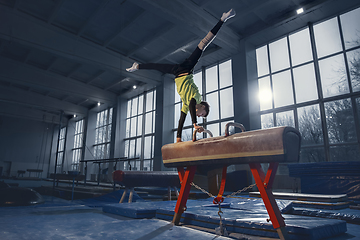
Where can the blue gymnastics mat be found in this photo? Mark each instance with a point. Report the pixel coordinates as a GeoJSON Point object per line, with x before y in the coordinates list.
{"type": "Point", "coordinates": [348, 215]}
{"type": "Point", "coordinates": [112, 197]}
{"type": "Point", "coordinates": [146, 209]}
{"type": "Point", "coordinates": [246, 216]}
{"type": "Point", "coordinates": [149, 209]}
{"type": "Point", "coordinates": [58, 219]}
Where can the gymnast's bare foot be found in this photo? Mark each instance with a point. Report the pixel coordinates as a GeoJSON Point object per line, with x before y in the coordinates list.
{"type": "Point", "coordinates": [228, 15]}
{"type": "Point", "coordinates": [133, 68]}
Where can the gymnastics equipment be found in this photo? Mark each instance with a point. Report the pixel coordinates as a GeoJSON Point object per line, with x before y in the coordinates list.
{"type": "Point", "coordinates": [273, 146]}
{"type": "Point", "coordinates": [131, 179]}
{"type": "Point", "coordinates": [102, 161]}
{"type": "Point", "coordinates": [18, 196]}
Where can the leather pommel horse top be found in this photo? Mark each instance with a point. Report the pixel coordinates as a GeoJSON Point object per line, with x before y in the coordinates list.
{"type": "Point", "coordinates": [279, 144]}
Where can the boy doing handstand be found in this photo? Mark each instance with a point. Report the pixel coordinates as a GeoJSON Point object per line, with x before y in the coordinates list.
{"type": "Point", "coordinates": [185, 86]}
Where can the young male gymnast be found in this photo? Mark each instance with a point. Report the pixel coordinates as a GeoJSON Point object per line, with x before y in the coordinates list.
{"type": "Point", "coordinates": [185, 86]}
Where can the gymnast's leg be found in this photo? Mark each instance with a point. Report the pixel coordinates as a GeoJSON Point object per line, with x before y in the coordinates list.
{"type": "Point", "coordinates": [195, 56]}
{"type": "Point", "coordinates": [211, 35]}
{"type": "Point", "coordinates": [164, 68]}
{"type": "Point", "coordinates": [193, 59]}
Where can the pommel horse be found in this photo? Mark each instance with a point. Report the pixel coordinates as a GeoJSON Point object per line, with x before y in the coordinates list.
{"type": "Point", "coordinates": [273, 146]}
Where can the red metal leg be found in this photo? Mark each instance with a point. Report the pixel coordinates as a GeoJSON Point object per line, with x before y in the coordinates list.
{"type": "Point", "coordinates": [270, 175]}
{"type": "Point", "coordinates": [181, 172]}
{"type": "Point", "coordinates": [264, 184]}
{"type": "Point", "coordinates": [219, 199]}
{"type": "Point", "coordinates": [186, 179]}
{"type": "Point", "coordinates": [223, 181]}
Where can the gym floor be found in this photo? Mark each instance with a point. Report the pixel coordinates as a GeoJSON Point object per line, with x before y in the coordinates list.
{"type": "Point", "coordinates": [58, 218]}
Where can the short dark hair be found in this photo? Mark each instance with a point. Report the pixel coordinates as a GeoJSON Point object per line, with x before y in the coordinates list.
{"type": "Point", "coordinates": [207, 108]}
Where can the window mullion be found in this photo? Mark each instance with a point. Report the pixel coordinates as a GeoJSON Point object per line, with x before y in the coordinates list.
{"type": "Point", "coordinates": [219, 102]}
{"type": "Point", "coordinates": [143, 133]}
{"type": "Point", "coordinates": [203, 86]}
{"type": "Point", "coordinates": [270, 79]}
{"type": "Point", "coordinates": [293, 85]}
{"type": "Point", "coordinates": [320, 92]}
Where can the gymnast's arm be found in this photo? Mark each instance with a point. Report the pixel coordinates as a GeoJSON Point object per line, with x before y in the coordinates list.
{"type": "Point", "coordinates": [192, 109]}
{"type": "Point", "coordinates": [180, 126]}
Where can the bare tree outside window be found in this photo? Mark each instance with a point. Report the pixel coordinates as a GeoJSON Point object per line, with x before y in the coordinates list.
{"type": "Point", "coordinates": [312, 155]}
{"type": "Point", "coordinates": [353, 59]}
{"type": "Point", "coordinates": [267, 121]}
{"type": "Point", "coordinates": [310, 125]}
{"type": "Point", "coordinates": [340, 121]}
{"type": "Point", "coordinates": [344, 153]}
{"type": "Point", "coordinates": [285, 119]}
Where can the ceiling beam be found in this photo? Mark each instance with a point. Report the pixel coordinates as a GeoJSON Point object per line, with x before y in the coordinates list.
{"type": "Point", "coordinates": [18, 27]}
{"type": "Point", "coordinates": [55, 11]}
{"type": "Point", "coordinates": [128, 24]}
{"type": "Point", "coordinates": [96, 13]}
{"type": "Point", "coordinates": [18, 111]}
{"type": "Point", "coordinates": [183, 48]}
{"type": "Point", "coordinates": [155, 36]}
{"type": "Point", "coordinates": [94, 78]}
{"type": "Point", "coordinates": [117, 82]}
{"type": "Point", "coordinates": [74, 70]}
{"type": "Point", "coordinates": [17, 72]}
{"type": "Point", "coordinates": [196, 20]}
{"type": "Point", "coordinates": [31, 99]}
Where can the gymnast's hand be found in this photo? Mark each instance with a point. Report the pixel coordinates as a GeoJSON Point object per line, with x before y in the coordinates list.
{"type": "Point", "coordinates": [198, 128]}
{"type": "Point", "coordinates": [178, 140]}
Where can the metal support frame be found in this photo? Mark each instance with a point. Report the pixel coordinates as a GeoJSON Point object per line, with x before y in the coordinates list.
{"type": "Point", "coordinates": [108, 160]}
{"type": "Point", "coordinates": [186, 177]}
{"type": "Point", "coordinates": [131, 194]}
{"type": "Point", "coordinates": [263, 182]}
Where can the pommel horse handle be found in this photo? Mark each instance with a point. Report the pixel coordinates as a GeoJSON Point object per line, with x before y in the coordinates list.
{"type": "Point", "coordinates": [239, 125]}
{"type": "Point", "coordinates": [205, 130]}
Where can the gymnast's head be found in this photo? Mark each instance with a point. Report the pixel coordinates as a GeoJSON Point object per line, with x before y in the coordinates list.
{"type": "Point", "coordinates": [202, 109]}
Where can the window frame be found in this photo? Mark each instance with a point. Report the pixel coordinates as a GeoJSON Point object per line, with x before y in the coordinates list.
{"type": "Point", "coordinates": [60, 153]}
{"type": "Point", "coordinates": [103, 122]}
{"type": "Point", "coordinates": [78, 147]}
{"type": "Point", "coordinates": [321, 101]}
{"type": "Point", "coordinates": [138, 159]}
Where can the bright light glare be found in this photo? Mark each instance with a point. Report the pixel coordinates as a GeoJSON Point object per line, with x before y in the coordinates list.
{"type": "Point", "coordinates": [265, 96]}
{"type": "Point", "coordinates": [99, 103]}
{"type": "Point", "coordinates": [134, 87]}
{"type": "Point", "coordinates": [300, 10]}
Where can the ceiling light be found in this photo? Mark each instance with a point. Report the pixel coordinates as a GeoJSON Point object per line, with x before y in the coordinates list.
{"type": "Point", "coordinates": [74, 115]}
{"type": "Point", "coordinates": [99, 103]}
{"type": "Point", "coordinates": [134, 87]}
{"type": "Point", "coordinates": [300, 10]}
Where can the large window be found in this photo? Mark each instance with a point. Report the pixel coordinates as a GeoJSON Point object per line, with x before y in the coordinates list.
{"type": "Point", "coordinates": [78, 145]}
{"type": "Point", "coordinates": [61, 150]}
{"type": "Point", "coordinates": [310, 80]}
{"type": "Point", "coordinates": [103, 134]}
{"type": "Point", "coordinates": [215, 86]}
{"type": "Point", "coordinates": [140, 129]}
